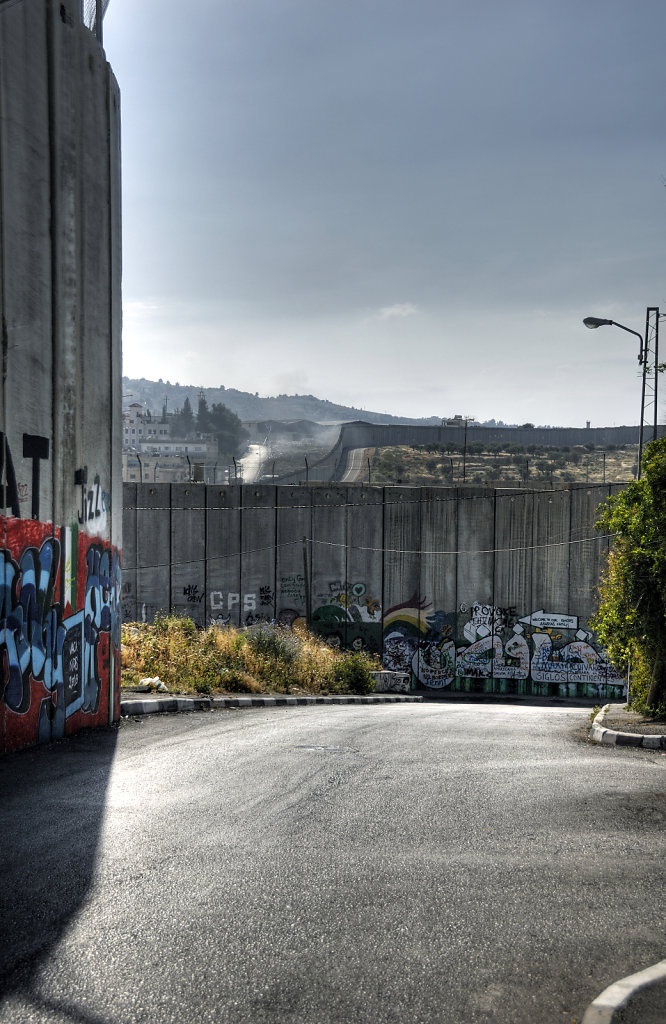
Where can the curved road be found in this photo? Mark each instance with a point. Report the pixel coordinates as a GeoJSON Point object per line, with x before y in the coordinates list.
{"type": "Point", "coordinates": [356, 468]}
{"type": "Point", "coordinates": [421, 863]}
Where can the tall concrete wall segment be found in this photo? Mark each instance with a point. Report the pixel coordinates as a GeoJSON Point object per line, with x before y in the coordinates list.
{"type": "Point", "coordinates": [377, 435]}
{"type": "Point", "coordinates": [60, 402]}
{"type": "Point", "coordinates": [467, 589]}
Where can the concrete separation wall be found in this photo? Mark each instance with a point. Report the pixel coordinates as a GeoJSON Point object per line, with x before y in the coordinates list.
{"type": "Point", "coordinates": [377, 435]}
{"type": "Point", "coordinates": [60, 409]}
{"type": "Point", "coordinates": [466, 589]}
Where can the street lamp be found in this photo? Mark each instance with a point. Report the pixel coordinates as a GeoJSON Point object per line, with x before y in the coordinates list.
{"type": "Point", "coordinates": [138, 459]}
{"type": "Point", "coordinates": [468, 419]}
{"type": "Point", "coordinates": [594, 321]}
{"type": "Point", "coordinates": [644, 350]}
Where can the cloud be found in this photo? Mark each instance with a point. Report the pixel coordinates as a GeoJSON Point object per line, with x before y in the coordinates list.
{"type": "Point", "coordinates": [399, 309]}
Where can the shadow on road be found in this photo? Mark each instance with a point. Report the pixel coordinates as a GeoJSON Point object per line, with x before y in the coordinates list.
{"type": "Point", "coordinates": [52, 802]}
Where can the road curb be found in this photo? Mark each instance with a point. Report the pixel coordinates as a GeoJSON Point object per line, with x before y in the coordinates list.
{"type": "Point", "coordinates": [612, 737]}
{"type": "Point", "coordinates": [162, 705]}
{"type": "Point", "coordinates": [613, 998]}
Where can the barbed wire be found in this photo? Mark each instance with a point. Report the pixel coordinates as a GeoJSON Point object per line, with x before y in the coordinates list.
{"type": "Point", "coordinates": [498, 492]}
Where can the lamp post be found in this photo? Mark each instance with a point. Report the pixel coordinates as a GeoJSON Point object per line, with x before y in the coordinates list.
{"type": "Point", "coordinates": [593, 322]}
{"type": "Point", "coordinates": [138, 459]}
{"type": "Point", "coordinates": [468, 419]}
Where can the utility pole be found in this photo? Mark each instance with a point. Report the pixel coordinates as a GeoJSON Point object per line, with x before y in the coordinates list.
{"type": "Point", "coordinates": [650, 378]}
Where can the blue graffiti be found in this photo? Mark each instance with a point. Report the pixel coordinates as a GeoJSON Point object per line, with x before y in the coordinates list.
{"type": "Point", "coordinates": [36, 642]}
{"type": "Point", "coordinates": [29, 622]}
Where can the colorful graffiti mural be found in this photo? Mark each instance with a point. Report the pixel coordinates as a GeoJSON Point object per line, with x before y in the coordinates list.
{"type": "Point", "coordinates": [60, 593]}
{"type": "Point", "coordinates": [348, 615]}
{"type": "Point", "coordinates": [534, 655]}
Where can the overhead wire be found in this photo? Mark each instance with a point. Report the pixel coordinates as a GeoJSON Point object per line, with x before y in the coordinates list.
{"type": "Point", "coordinates": [509, 493]}
{"type": "Point", "coordinates": [457, 552]}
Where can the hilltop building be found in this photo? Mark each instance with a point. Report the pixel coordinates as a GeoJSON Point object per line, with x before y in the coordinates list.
{"type": "Point", "coordinates": [153, 453]}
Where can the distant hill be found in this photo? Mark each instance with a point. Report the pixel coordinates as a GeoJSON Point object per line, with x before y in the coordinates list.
{"type": "Point", "coordinates": [154, 394]}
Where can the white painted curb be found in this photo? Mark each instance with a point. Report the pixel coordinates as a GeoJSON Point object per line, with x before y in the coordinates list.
{"type": "Point", "coordinates": [163, 705]}
{"type": "Point", "coordinates": [622, 739]}
{"type": "Point", "coordinates": [613, 998]}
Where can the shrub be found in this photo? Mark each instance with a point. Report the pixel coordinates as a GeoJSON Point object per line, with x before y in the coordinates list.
{"type": "Point", "coordinates": [234, 680]}
{"type": "Point", "coordinates": [229, 660]}
{"type": "Point", "coordinates": [273, 642]}
{"type": "Point", "coordinates": [632, 611]}
{"type": "Point", "coordinates": [352, 674]}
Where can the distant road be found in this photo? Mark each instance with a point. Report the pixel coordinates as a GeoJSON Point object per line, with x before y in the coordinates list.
{"type": "Point", "coordinates": [252, 462]}
{"type": "Point", "coordinates": [357, 466]}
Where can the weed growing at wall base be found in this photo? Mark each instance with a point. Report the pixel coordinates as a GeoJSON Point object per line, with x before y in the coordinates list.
{"type": "Point", "coordinates": [258, 659]}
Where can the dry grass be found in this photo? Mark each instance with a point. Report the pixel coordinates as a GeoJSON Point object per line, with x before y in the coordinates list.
{"type": "Point", "coordinates": [260, 659]}
{"type": "Point", "coordinates": [514, 465]}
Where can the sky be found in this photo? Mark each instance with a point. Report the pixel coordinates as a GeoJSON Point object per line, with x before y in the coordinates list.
{"type": "Point", "coordinates": [407, 206]}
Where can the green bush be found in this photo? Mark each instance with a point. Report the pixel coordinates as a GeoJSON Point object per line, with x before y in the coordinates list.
{"type": "Point", "coordinates": [632, 611]}
{"type": "Point", "coordinates": [352, 674]}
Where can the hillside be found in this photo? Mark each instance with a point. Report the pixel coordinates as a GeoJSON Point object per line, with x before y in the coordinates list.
{"type": "Point", "coordinates": [154, 394]}
{"type": "Point", "coordinates": [502, 465]}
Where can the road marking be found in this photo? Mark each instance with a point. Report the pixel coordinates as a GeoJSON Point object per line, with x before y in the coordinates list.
{"type": "Point", "coordinates": [343, 750]}
{"type": "Point", "coordinates": [614, 997]}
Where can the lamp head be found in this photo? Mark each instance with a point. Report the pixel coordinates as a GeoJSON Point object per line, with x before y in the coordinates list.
{"type": "Point", "coordinates": [594, 321]}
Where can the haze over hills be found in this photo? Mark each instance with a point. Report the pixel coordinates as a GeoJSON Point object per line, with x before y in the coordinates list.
{"type": "Point", "coordinates": [155, 394]}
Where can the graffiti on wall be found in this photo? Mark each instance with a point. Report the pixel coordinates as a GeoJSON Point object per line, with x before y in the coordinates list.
{"type": "Point", "coordinates": [348, 614]}
{"type": "Point", "coordinates": [292, 589]}
{"type": "Point", "coordinates": [60, 593]}
{"type": "Point", "coordinates": [249, 608]}
{"type": "Point", "coordinates": [420, 642]}
{"type": "Point", "coordinates": [36, 449]}
{"type": "Point", "coordinates": [539, 654]}
{"type": "Point", "coordinates": [95, 502]}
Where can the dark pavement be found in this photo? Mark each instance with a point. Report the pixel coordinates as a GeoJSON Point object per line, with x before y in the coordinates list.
{"type": "Point", "coordinates": [647, 1007]}
{"type": "Point", "coordinates": [405, 862]}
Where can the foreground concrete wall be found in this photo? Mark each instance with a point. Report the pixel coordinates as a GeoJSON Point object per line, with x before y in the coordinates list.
{"type": "Point", "coordinates": [60, 474]}
{"type": "Point", "coordinates": [467, 589]}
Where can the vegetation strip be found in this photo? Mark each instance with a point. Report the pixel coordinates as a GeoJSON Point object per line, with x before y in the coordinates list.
{"type": "Point", "coordinates": [222, 660]}
{"type": "Point", "coordinates": [632, 608]}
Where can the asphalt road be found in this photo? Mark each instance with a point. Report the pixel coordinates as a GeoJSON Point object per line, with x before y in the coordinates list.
{"type": "Point", "coordinates": [357, 465]}
{"type": "Point", "coordinates": [399, 863]}
{"type": "Point", "coordinates": [252, 462]}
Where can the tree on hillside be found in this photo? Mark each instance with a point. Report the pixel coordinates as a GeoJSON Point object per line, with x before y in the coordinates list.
{"type": "Point", "coordinates": [203, 415]}
{"type": "Point", "coordinates": [182, 424]}
{"type": "Point", "coordinates": [631, 621]}
{"type": "Point", "coordinates": [228, 429]}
